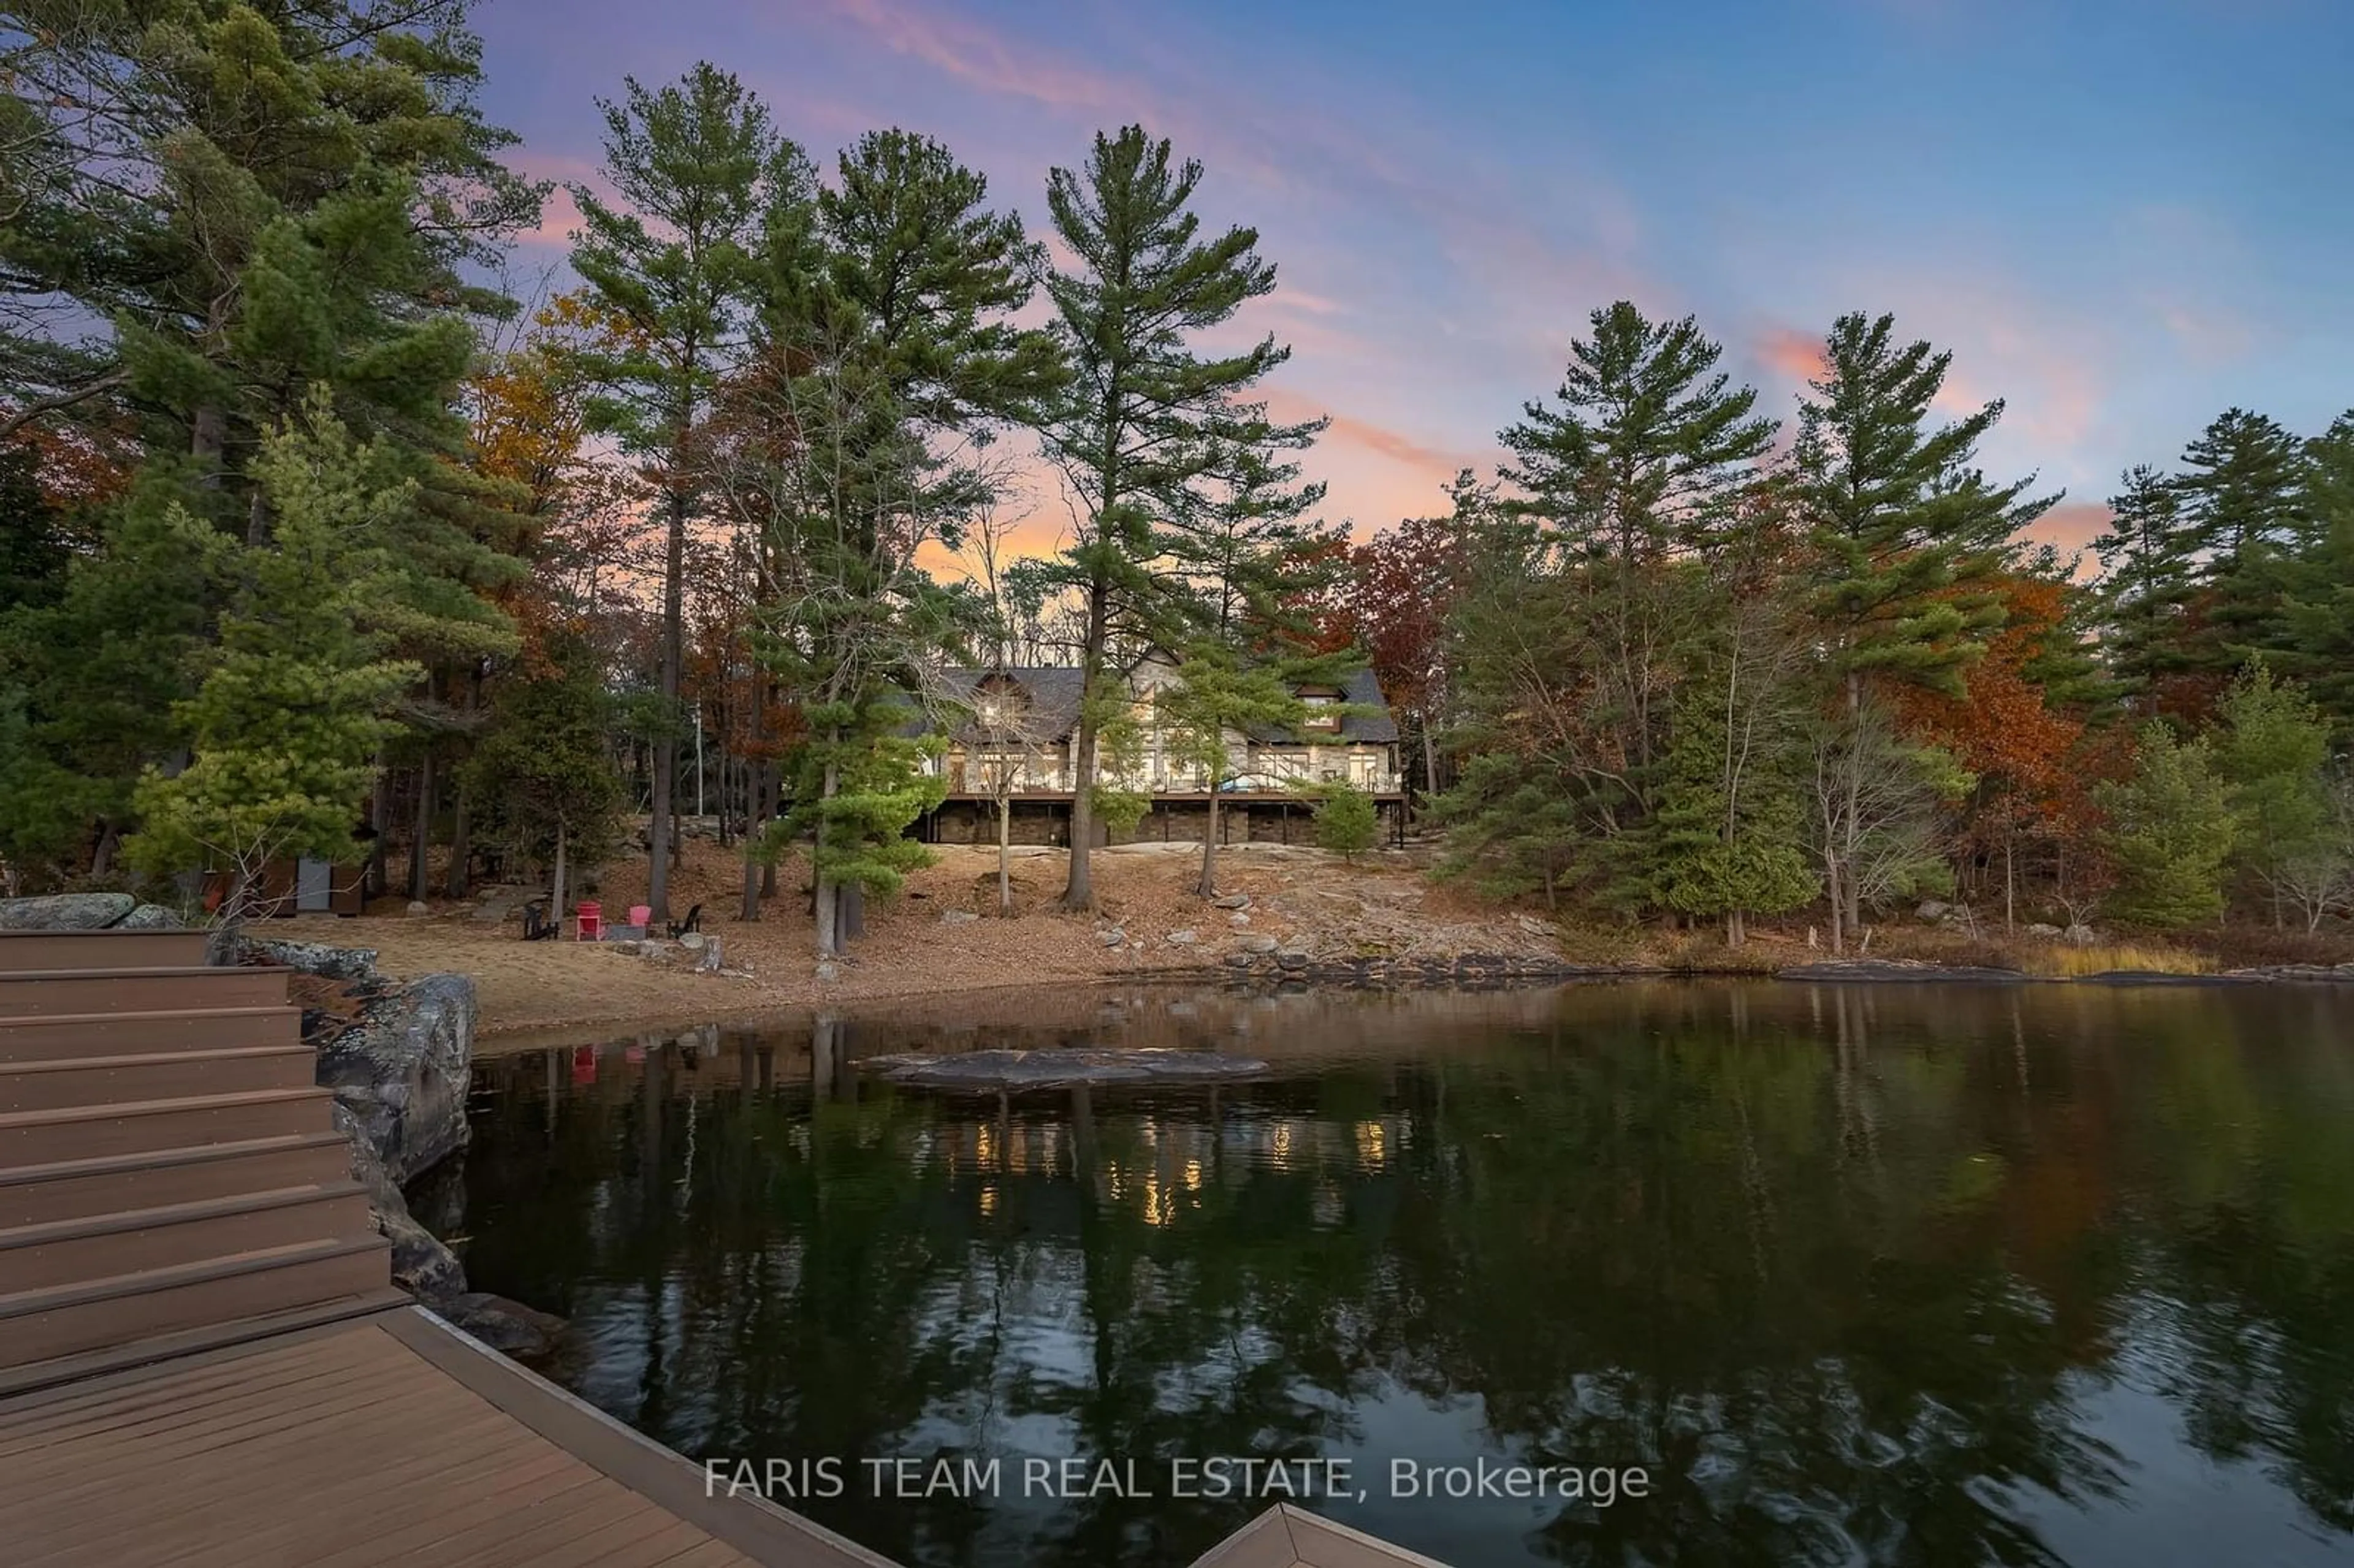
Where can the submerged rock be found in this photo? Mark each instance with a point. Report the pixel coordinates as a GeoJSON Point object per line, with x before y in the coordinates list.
{"type": "Point", "coordinates": [523, 1332]}
{"type": "Point", "coordinates": [1888, 969]}
{"type": "Point", "coordinates": [1058, 1069]}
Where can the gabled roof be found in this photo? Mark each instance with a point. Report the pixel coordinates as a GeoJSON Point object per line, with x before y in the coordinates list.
{"type": "Point", "coordinates": [1054, 691]}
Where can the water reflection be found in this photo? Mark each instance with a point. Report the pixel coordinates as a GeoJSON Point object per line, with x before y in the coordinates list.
{"type": "Point", "coordinates": [1891, 1276]}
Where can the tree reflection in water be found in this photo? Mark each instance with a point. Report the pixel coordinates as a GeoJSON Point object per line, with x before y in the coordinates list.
{"type": "Point", "coordinates": [1852, 1270]}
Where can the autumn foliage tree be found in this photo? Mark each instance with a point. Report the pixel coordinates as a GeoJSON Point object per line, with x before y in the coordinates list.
{"type": "Point", "coordinates": [1401, 585]}
{"type": "Point", "coordinates": [2006, 732]}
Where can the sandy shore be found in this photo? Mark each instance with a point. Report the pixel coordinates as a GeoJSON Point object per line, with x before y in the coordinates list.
{"type": "Point", "coordinates": [919, 944]}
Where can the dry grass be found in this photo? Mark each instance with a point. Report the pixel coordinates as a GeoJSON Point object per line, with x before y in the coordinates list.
{"type": "Point", "coordinates": [1696, 955]}
{"type": "Point", "coordinates": [2034, 956]}
{"type": "Point", "coordinates": [2070, 962]}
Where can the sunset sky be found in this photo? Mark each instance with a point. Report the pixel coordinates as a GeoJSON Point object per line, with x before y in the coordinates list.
{"type": "Point", "coordinates": [2122, 216]}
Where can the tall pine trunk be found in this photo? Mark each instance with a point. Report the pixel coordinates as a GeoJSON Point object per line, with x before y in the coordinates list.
{"type": "Point", "coordinates": [461, 848]}
{"type": "Point", "coordinates": [1208, 888]}
{"type": "Point", "coordinates": [750, 907]}
{"type": "Point", "coordinates": [828, 892]}
{"type": "Point", "coordinates": [772, 789]}
{"type": "Point", "coordinates": [674, 655]}
{"type": "Point", "coordinates": [2009, 876]}
{"type": "Point", "coordinates": [418, 886]}
{"type": "Point", "coordinates": [1005, 857]}
{"type": "Point", "coordinates": [378, 879]}
{"type": "Point", "coordinates": [1851, 910]}
{"type": "Point", "coordinates": [208, 440]}
{"type": "Point", "coordinates": [556, 891]}
{"type": "Point", "coordinates": [1079, 892]}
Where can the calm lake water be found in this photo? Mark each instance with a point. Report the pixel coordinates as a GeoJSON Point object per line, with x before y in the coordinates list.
{"type": "Point", "coordinates": [1932, 1276]}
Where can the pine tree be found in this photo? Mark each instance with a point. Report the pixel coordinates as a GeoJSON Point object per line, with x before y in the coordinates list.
{"type": "Point", "coordinates": [1906, 532]}
{"type": "Point", "coordinates": [699, 171]}
{"type": "Point", "coordinates": [2149, 579]}
{"type": "Point", "coordinates": [102, 674]}
{"type": "Point", "coordinates": [1730, 835]}
{"type": "Point", "coordinates": [1348, 823]}
{"type": "Point", "coordinates": [543, 767]}
{"type": "Point", "coordinates": [255, 199]}
{"type": "Point", "coordinates": [2271, 747]}
{"type": "Point", "coordinates": [889, 363]}
{"type": "Point", "coordinates": [855, 793]}
{"type": "Point", "coordinates": [1223, 691]}
{"type": "Point", "coordinates": [252, 202]}
{"type": "Point", "coordinates": [1645, 462]}
{"type": "Point", "coordinates": [2316, 634]}
{"type": "Point", "coordinates": [1515, 817]}
{"type": "Point", "coordinates": [1147, 421]}
{"type": "Point", "coordinates": [285, 724]}
{"type": "Point", "coordinates": [35, 549]}
{"type": "Point", "coordinates": [2240, 494]}
{"type": "Point", "coordinates": [1510, 830]}
{"type": "Point", "coordinates": [1252, 560]}
{"type": "Point", "coordinates": [2170, 830]}
{"type": "Point", "coordinates": [1650, 448]}
{"type": "Point", "coordinates": [1731, 830]}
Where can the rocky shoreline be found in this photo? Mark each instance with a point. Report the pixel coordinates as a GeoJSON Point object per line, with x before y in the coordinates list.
{"type": "Point", "coordinates": [1467, 970]}
{"type": "Point", "coordinates": [400, 1062]}
{"type": "Point", "coordinates": [1487, 970]}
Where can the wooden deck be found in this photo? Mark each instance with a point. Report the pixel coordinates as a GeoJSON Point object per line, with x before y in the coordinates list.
{"type": "Point", "coordinates": [203, 1362]}
{"type": "Point", "coordinates": [1288, 1537]}
{"type": "Point", "coordinates": [388, 1439]}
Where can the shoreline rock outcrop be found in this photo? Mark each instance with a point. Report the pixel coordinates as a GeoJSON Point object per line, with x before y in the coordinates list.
{"type": "Point", "coordinates": [84, 912]}
{"type": "Point", "coordinates": [400, 1066]}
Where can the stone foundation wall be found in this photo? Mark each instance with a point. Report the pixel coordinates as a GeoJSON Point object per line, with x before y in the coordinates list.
{"type": "Point", "coordinates": [1048, 822]}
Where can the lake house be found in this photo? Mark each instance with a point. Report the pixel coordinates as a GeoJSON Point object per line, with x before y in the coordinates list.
{"type": "Point", "coordinates": [1020, 725]}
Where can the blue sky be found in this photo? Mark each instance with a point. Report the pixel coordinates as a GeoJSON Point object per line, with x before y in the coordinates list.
{"type": "Point", "coordinates": [2122, 217]}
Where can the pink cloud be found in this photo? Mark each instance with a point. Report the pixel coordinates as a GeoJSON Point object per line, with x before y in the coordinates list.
{"type": "Point", "coordinates": [2072, 524]}
{"type": "Point", "coordinates": [1431, 461]}
{"type": "Point", "coordinates": [1541, 285]}
{"type": "Point", "coordinates": [2211, 336]}
{"type": "Point", "coordinates": [1793, 354]}
{"type": "Point", "coordinates": [975, 55]}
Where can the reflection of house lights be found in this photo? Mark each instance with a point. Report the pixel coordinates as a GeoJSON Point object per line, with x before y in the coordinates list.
{"type": "Point", "coordinates": [1278, 1152]}
{"type": "Point", "coordinates": [1017, 1152]}
{"type": "Point", "coordinates": [988, 1198]}
{"type": "Point", "coordinates": [1372, 1145]}
{"type": "Point", "coordinates": [1193, 1175]}
{"type": "Point", "coordinates": [984, 1147]}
